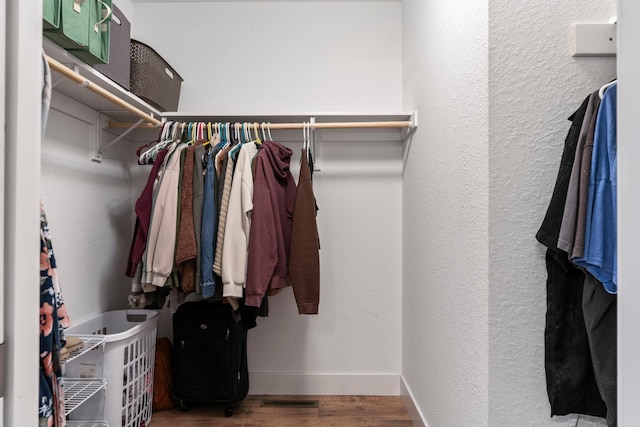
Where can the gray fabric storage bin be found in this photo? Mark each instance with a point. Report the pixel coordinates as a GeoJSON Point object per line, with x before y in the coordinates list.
{"type": "Point", "coordinates": [118, 68]}
{"type": "Point", "coordinates": [153, 79]}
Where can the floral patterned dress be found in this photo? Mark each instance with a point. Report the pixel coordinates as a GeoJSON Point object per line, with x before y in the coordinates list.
{"type": "Point", "coordinates": [53, 319]}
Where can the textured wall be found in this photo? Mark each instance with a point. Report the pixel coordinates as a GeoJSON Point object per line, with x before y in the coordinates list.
{"type": "Point", "coordinates": [255, 58]}
{"type": "Point", "coordinates": [534, 86]}
{"type": "Point", "coordinates": [445, 211]}
{"type": "Point", "coordinates": [89, 208]}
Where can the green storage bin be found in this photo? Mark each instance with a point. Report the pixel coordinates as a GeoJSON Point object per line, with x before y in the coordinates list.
{"type": "Point", "coordinates": [73, 31]}
{"type": "Point", "coordinates": [50, 14]}
{"type": "Point", "coordinates": [100, 12]}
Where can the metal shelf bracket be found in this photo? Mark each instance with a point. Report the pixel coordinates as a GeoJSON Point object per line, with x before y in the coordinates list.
{"type": "Point", "coordinates": [96, 143]}
{"type": "Point", "coordinates": [408, 133]}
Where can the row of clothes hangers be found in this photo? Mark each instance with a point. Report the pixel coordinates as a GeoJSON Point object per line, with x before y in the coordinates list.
{"type": "Point", "coordinates": [205, 133]}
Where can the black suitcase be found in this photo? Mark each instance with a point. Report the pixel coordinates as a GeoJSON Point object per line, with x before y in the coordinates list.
{"type": "Point", "coordinates": [209, 361]}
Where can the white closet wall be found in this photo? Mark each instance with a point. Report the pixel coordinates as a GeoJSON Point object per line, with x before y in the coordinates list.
{"type": "Point", "coordinates": [279, 57]}
{"type": "Point", "coordinates": [445, 212]}
{"type": "Point", "coordinates": [89, 210]}
{"type": "Point", "coordinates": [474, 276]}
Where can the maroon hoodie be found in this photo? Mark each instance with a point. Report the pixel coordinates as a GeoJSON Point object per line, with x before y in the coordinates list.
{"type": "Point", "coordinates": [274, 192]}
{"type": "Point", "coordinates": [143, 218]}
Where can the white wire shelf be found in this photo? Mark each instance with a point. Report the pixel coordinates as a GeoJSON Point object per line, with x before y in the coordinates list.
{"type": "Point", "coordinates": [78, 390]}
{"type": "Point", "coordinates": [89, 342]}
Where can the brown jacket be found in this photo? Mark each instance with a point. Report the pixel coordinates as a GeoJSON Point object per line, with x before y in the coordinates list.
{"type": "Point", "coordinates": [304, 261]}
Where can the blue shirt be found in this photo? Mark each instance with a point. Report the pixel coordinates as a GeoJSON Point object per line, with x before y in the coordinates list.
{"type": "Point", "coordinates": [209, 230]}
{"type": "Point", "coordinates": [600, 250]}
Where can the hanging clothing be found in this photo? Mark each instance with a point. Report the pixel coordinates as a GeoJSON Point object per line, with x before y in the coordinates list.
{"type": "Point", "coordinates": [571, 385]}
{"type": "Point", "coordinates": [583, 189]}
{"type": "Point", "coordinates": [53, 312]}
{"type": "Point", "coordinates": [304, 261]}
{"type": "Point", "coordinates": [270, 235]}
{"type": "Point", "coordinates": [600, 250]}
{"type": "Point", "coordinates": [600, 314]}
{"type": "Point", "coordinates": [143, 218]}
{"type": "Point", "coordinates": [198, 198]}
{"type": "Point", "coordinates": [209, 230]}
{"type": "Point", "coordinates": [550, 228]}
{"type": "Point", "coordinates": [163, 227]}
{"type": "Point", "coordinates": [46, 92]}
{"type": "Point", "coordinates": [200, 208]}
{"type": "Point", "coordinates": [238, 226]}
{"type": "Point", "coordinates": [222, 218]}
{"type": "Point", "coordinates": [53, 320]}
{"type": "Point", "coordinates": [186, 249]}
{"type": "Point", "coordinates": [571, 380]}
{"type": "Point", "coordinates": [567, 234]}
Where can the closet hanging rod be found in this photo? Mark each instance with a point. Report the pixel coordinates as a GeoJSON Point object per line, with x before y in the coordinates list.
{"type": "Point", "coordinates": [72, 75]}
{"type": "Point", "coordinates": [333, 125]}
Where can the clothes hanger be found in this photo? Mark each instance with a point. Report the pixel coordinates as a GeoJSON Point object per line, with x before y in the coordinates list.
{"type": "Point", "coordinates": [193, 135]}
{"type": "Point", "coordinates": [605, 87]}
{"type": "Point", "coordinates": [269, 131]}
{"type": "Point", "coordinates": [247, 132]}
{"type": "Point", "coordinates": [209, 133]}
{"type": "Point", "coordinates": [255, 130]}
{"type": "Point", "coordinates": [220, 130]}
{"type": "Point", "coordinates": [188, 132]}
{"type": "Point", "coordinates": [234, 151]}
{"type": "Point", "coordinates": [308, 152]}
{"type": "Point", "coordinates": [142, 151]}
{"type": "Point", "coordinates": [195, 128]}
{"type": "Point", "coordinates": [305, 135]}
{"type": "Point", "coordinates": [204, 132]}
{"type": "Point", "coordinates": [200, 136]}
{"type": "Point", "coordinates": [182, 128]}
{"type": "Point", "coordinates": [262, 125]}
{"type": "Point", "coordinates": [169, 137]}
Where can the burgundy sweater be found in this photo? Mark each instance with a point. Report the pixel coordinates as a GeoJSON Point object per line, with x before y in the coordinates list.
{"type": "Point", "coordinates": [274, 191]}
{"type": "Point", "coordinates": [143, 218]}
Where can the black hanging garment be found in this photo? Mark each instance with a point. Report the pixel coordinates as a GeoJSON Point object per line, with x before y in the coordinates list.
{"type": "Point", "coordinates": [571, 384]}
{"type": "Point", "coordinates": [209, 362]}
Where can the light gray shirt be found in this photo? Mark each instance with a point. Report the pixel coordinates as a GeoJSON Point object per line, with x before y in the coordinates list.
{"type": "Point", "coordinates": [567, 234]}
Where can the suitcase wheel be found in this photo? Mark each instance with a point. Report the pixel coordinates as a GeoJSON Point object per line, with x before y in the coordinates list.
{"type": "Point", "coordinates": [228, 411]}
{"type": "Point", "coordinates": [184, 406]}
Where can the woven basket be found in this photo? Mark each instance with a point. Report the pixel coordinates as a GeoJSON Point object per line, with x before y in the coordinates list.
{"type": "Point", "coordinates": [153, 79]}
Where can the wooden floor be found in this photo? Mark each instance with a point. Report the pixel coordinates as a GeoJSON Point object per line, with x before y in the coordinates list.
{"type": "Point", "coordinates": [334, 411]}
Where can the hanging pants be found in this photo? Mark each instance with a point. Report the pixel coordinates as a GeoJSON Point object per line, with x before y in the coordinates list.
{"type": "Point", "coordinates": [571, 382]}
{"type": "Point", "coordinates": [600, 312]}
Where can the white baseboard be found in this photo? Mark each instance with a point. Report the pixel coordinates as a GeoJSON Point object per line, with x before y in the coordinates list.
{"type": "Point", "coordinates": [324, 384]}
{"type": "Point", "coordinates": [410, 404]}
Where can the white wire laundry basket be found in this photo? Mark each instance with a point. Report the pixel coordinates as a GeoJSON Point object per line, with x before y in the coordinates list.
{"type": "Point", "coordinates": [129, 353]}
